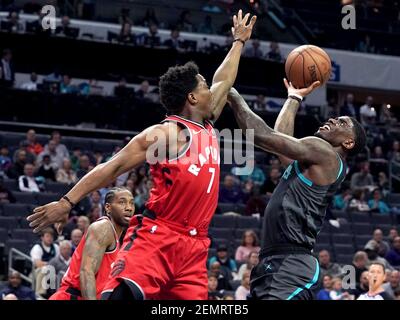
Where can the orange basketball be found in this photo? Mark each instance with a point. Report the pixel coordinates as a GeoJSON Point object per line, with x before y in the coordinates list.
{"type": "Point", "coordinates": [307, 64]}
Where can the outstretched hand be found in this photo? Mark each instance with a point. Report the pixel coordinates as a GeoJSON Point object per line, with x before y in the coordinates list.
{"type": "Point", "coordinates": [53, 213]}
{"type": "Point", "coordinates": [302, 91]}
{"type": "Point", "coordinates": [240, 30]}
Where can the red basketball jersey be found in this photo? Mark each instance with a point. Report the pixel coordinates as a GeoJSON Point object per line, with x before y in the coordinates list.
{"type": "Point", "coordinates": [186, 187]}
{"type": "Point", "coordinates": [71, 277]}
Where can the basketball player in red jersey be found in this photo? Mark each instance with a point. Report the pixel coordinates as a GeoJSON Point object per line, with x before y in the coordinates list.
{"type": "Point", "coordinates": [93, 258]}
{"type": "Point", "coordinates": [165, 251]}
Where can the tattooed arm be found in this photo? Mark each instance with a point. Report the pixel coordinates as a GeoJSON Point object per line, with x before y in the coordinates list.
{"type": "Point", "coordinates": [309, 150]}
{"type": "Point", "coordinates": [99, 237]}
{"type": "Point", "coordinates": [285, 121]}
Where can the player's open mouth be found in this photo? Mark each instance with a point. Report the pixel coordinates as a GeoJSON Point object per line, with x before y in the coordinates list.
{"type": "Point", "coordinates": [325, 127]}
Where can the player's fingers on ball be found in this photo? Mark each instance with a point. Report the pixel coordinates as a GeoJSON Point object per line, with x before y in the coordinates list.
{"type": "Point", "coordinates": [240, 15]}
{"type": "Point", "coordinates": [316, 84]}
{"type": "Point", "coordinates": [233, 30]}
{"type": "Point", "coordinates": [286, 83]}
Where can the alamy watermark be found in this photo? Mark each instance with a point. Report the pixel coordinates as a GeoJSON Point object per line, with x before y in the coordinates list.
{"type": "Point", "coordinates": [49, 17]}
{"type": "Point", "coordinates": [349, 20]}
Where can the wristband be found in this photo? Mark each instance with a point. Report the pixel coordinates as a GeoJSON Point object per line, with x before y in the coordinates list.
{"type": "Point", "coordinates": [295, 96]}
{"type": "Point", "coordinates": [69, 201]}
{"type": "Point", "coordinates": [239, 40]}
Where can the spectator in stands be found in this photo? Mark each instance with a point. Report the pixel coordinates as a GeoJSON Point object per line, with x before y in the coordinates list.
{"type": "Point", "coordinates": [393, 233]}
{"type": "Point", "coordinates": [17, 169]}
{"type": "Point", "coordinates": [152, 38]}
{"type": "Point", "coordinates": [365, 45]}
{"type": "Point", "coordinates": [368, 113]}
{"type": "Point", "coordinates": [348, 109]}
{"type": "Point", "coordinates": [372, 250]}
{"type": "Point", "coordinates": [61, 261]}
{"type": "Point", "coordinates": [124, 16]}
{"type": "Point", "coordinates": [393, 255]}
{"type": "Point", "coordinates": [383, 183]}
{"type": "Point", "coordinates": [382, 244]}
{"type": "Point", "coordinates": [83, 223]}
{"type": "Point", "coordinates": [222, 275]}
{"type": "Point", "coordinates": [41, 254]}
{"type": "Point", "coordinates": [337, 292]}
{"type": "Point", "coordinates": [13, 23]}
{"type": "Point", "coordinates": [94, 214]}
{"type": "Point", "coordinates": [394, 150]}
{"type": "Point", "coordinates": [260, 104]}
{"type": "Point", "coordinates": [76, 236]}
{"type": "Point", "coordinates": [207, 26]}
{"type": "Point", "coordinates": [360, 261]}
{"type": "Point", "coordinates": [230, 192]}
{"type": "Point", "coordinates": [272, 181]}
{"type": "Point", "coordinates": [363, 179]}
{"type": "Point", "coordinates": [362, 285]}
{"type": "Point", "coordinates": [174, 42]}
{"type": "Point", "coordinates": [249, 243]}
{"type": "Point", "coordinates": [143, 193]}
{"type": "Point", "coordinates": [61, 149]}
{"type": "Point", "coordinates": [126, 36]}
{"type": "Point", "coordinates": [213, 293]}
{"type": "Point", "coordinates": [50, 150]}
{"type": "Point", "coordinates": [144, 90]}
{"type": "Point", "coordinates": [341, 200]}
{"type": "Point", "coordinates": [252, 261]}
{"type": "Point", "coordinates": [254, 51]}
{"type": "Point", "coordinates": [324, 293]}
{"type": "Point", "coordinates": [27, 182]}
{"type": "Point", "coordinates": [223, 258]}
{"type": "Point", "coordinates": [95, 200]}
{"type": "Point", "coordinates": [358, 203]}
{"type": "Point", "coordinates": [48, 169]}
{"type": "Point", "coordinates": [376, 204]}
{"type": "Point", "coordinates": [84, 166]}
{"type": "Point", "coordinates": [274, 53]}
{"type": "Point", "coordinates": [65, 174]}
{"type": "Point", "coordinates": [14, 287]}
{"type": "Point", "coordinates": [328, 267]}
{"type": "Point", "coordinates": [122, 90]}
{"type": "Point", "coordinates": [33, 146]}
{"type": "Point", "coordinates": [30, 157]}
{"type": "Point", "coordinates": [211, 7]}
{"type": "Point", "coordinates": [376, 277]}
{"type": "Point", "coordinates": [150, 18]}
{"type": "Point", "coordinates": [7, 74]}
{"type": "Point", "coordinates": [65, 29]}
{"type": "Point", "coordinates": [184, 23]}
{"type": "Point", "coordinates": [6, 195]}
{"type": "Point", "coordinates": [5, 160]}
{"type": "Point", "coordinates": [66, 85]}
{"type": "Point", "coordinates": [386, 116]}
{"type": "Point", "coordinates": [393, 284]}
{"type": "Point", "coordinates": [55, 76]}
{"type": "Point", "coordinates": [377, 154]}
{"type": "Point", "coordinates": [243, 290]}
{"type": "Point", "coordinates": [32, 84]}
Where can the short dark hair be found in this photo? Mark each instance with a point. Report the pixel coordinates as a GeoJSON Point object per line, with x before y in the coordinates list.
{"type": "Point", "coordinates": [360, 137]}
{"type": "Point", "coordinates": [110, 195]}
{"type": "Point", "coordinates": [176, 84]}
{"type": "Point", "coordinates": [47, 230]}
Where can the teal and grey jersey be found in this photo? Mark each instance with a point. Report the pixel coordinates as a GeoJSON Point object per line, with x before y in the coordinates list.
{"type": "Point", "coordinates": [296, 210]}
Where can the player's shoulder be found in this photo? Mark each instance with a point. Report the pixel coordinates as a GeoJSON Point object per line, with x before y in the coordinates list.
{"type": "Point", "coordinates": [101, 228]}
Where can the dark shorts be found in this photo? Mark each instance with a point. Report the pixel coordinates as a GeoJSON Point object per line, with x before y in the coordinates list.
{"type": "Point", "coordinates": [285, 277]}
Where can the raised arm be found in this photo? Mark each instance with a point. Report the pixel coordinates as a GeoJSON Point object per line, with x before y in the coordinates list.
{"type": "Point", "coordinates": [98, 238]}
{"type": "Point", "coordinates": [132, 155]}
{"type": "Point", "coordinates": [285, 121]}
{"type": "Point", "coordinates": [225, 75]}
{"type": "Point", "coordinates": [309, 150]}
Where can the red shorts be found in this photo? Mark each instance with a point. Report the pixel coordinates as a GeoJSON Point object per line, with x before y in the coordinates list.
{"type": "Point", "coordinates": [62, 294]}
{"type": "Point", "coordinates": [162, 260]}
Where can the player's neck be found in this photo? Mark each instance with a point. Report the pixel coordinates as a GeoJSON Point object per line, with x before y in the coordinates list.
{"type": "Point", "coordinates": [375, 290]}
{"type": "Point", "coordinates": [118, 229]}
{"type": "Point", "coordinates": [192, 115]}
